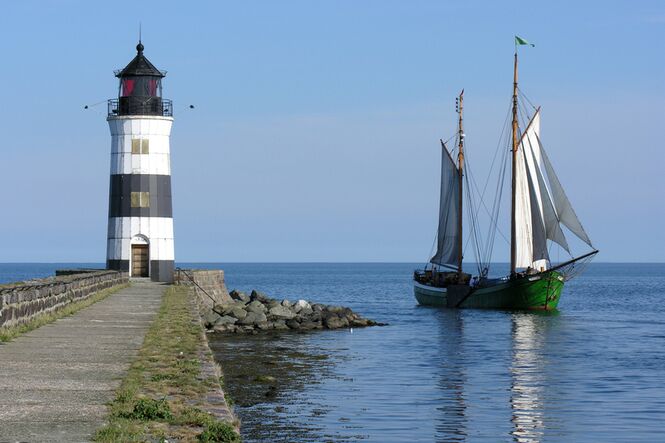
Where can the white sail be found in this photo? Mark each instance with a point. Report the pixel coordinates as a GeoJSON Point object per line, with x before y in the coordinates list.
{"type": "Point", "coordinates": [546, 205]}
{"type": "Point", "coordinates": [541, 205]}
{"type": "Point", "coordinates": [531, 244]}
{"type": "Point", "coordinates": [550, 218]}
{"type": "Point", "coordinates": [447, 252]}
{"type": "Point", "coordinates": [564, 209]}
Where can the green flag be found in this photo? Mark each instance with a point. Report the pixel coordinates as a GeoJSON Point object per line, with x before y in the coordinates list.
{"type": "Point", "coordinates": [521, 41]}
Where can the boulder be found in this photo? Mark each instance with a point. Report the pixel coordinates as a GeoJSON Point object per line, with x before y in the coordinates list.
{"type": "Point", "coordinates": [359, 322]}
{"type": "Point", "coordinates": [226, 328]}
{"type": "Point", "coordinates": [225, 320]}
{"type": "Point", "coordinates": [256, 306]}
{"type": "Point", "coordinates": [260, 296]}
{"type": "Point", "coordinates": [305, 312]}
{"type": "Point", "coordinates": [280, 325]}
{"type": "Point", "coordinates": [309, 325]}
{"type": "Point", "coordinates": [301, 304]}
{"type": "Point", "coordinates": [210, 318]}
{"type": "Point", "coordinates": [253, 318]}
{"type": "Point", "coordinates": [224, 308]}
{"type": "Point", "coordinates": [272, 303]}
{"type": "Point", "coordinates": [238, 313]}
{"type": "Point", "coordinates": [240, 296]}
{"type": "Point", "coordinates": [265, 325]}
{"type": "Point", "coordinates": [281, 312]}
{"type": "Point", "coordinates": [257, 312]}
{"type": "Point", "coordinates": [334, 322]}
{"type": "Point", "coordinates": [314, 316]}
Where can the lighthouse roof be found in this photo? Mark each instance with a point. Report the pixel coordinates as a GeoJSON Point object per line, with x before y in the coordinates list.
{"type": "Point", "coordinates": [140, 65]}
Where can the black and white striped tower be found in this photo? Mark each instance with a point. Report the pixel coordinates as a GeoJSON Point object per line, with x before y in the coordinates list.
{"type": "Point", "coordinates": [140, 230]}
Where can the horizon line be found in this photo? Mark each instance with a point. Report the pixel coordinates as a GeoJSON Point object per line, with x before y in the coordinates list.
{"type": "Point", "coordinates": [300, 262]}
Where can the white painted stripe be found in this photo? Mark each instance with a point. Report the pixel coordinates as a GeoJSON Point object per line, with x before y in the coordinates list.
{"type": "Point", "coordinates": [159, 249]}
{"type": "Point", "coordinates": [159, 164]}
{"type": "Point", "coordinates": [159, 144]}
{"type": "Point", "coordinates": [143, 125]}
{"type": "Point", "coordinates": [158, 230]}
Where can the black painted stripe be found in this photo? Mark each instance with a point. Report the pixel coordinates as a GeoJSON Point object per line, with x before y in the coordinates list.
{"type": "Point", "coordinates": [122, 186]}
{"type": "Point", "coordinates": [118, 265]}
{"type": "Point", "coordinates": [162, 270]}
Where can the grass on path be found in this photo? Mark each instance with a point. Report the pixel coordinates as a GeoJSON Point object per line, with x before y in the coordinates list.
{"type": "Point", "coordinates": [10, 333]}
{"type": "Point", "coordinates": [156, 398]}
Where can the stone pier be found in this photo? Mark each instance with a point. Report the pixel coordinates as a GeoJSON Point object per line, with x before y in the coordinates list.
{"type": "Point", "coordinates": [56, 381]}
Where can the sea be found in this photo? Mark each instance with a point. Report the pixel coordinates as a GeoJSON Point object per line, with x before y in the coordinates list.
{"type": "Point", "coordinates": [593, 371]}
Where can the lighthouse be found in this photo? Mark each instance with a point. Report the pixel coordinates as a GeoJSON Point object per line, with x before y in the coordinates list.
{"type": "Point", "coordinates": [140, 228]}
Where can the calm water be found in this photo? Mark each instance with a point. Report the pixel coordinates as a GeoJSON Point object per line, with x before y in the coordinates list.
{"type": "Point", "coordinates": [594, 372]}
{"type": "Point", "coordinates": [11, 272]}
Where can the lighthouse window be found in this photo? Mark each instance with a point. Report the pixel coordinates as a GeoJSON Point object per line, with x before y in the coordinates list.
{"type": "Point", "coordinates": [140, 146]}
{"type": "Point", "coordinates": [141, 86]}
{"type": "Point", "coordinates": [127, 87]}
{"type": "Point", "coordinates": [140, 199]}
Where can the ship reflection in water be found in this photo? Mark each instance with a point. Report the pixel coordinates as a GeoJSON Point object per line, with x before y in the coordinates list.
{"type": "Point", "coordinates": [503, 380]}
{"type": "Point", "coordinates": [491, 380]}
{"type": "Point", "coordinates": [528, 375]}
{"type": "Point", "coordinates": [451, 425]}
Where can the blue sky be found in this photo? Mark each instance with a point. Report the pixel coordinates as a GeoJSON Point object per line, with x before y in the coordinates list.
{"type": "Point", "coordinates": [315, 130]}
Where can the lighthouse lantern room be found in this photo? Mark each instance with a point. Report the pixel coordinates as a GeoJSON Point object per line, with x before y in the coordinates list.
{"type": "Point", "coordinates": [140, 229]}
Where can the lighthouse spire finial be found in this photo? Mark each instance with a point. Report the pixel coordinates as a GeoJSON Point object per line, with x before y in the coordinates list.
{"type": "Point", "coordinates": [139, 47]}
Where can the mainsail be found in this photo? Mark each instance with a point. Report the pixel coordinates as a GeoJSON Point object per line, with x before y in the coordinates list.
{"type": "Point", "coordinates": [541, 205]}
{"type": "Point", "coordinates": [447, 252]}
{"type": "Point", "coordinates": [530, 228]}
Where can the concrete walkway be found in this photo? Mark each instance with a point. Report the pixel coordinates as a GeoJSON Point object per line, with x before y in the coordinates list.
{"type": "Point", "coordinates": [55, 381]}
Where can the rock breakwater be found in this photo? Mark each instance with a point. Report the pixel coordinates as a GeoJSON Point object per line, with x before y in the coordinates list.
{"type": "Point", "coordinates": [250, 314]}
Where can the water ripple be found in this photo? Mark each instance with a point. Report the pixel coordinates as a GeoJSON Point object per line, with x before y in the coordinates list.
{"type": "Point", "coordinates": [594, 372]}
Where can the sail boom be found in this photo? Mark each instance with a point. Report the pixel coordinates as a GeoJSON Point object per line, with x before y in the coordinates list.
{"type": "Point", "coordinates": [576, 259]}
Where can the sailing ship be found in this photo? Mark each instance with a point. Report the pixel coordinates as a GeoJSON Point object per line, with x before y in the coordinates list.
{"type": "Point", "coordinates": [539, 209]}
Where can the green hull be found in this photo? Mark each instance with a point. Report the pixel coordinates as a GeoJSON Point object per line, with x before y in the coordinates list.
{"type": "Point", "coordinates": [533, 292]}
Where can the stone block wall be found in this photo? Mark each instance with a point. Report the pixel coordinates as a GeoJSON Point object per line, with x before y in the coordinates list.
{"type": "Point", "coordinates": [20, 302]}
{"type": "Point", "coordinates": [209, 285]}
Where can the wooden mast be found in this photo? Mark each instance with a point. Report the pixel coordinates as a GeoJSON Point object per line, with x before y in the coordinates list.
{"type": "Point", "coordinates": [460, 176]}
{"type": "Point", "coordinates": [513, 227]}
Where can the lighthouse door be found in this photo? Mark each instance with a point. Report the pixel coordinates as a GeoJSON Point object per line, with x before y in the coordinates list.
{"type": "Point", "coordinates": [140, 261]}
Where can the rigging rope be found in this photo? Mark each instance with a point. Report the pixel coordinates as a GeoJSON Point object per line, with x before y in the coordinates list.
{"type": "Point", "coordinates": [524, 96]}
{"type": "Point", "coordinates": [493, 228]}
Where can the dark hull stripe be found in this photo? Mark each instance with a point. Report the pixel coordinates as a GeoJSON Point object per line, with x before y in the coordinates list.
{"type": "Point", "coordinates": [122, 186]}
